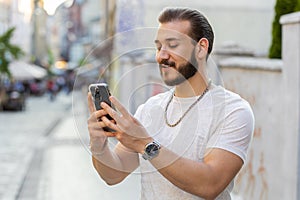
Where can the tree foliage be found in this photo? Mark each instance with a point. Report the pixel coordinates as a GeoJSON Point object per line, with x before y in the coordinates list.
{"type": "Point", "coordinates": [298, 6]}
{"type": "Point", "coordinates": [282, 7]}
{"type": "Point", "coordinates": [8, 51]}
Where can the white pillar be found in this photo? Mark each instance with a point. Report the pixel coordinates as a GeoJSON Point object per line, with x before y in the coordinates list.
{"type": "Point", "coordinates": [291, 97]}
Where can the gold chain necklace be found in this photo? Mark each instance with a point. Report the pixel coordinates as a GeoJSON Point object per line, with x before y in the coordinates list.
{"type": "Point", "coordinates": [191, 106]}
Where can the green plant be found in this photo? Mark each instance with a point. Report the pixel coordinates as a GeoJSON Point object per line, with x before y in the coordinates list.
{"type": "Point", "coordinates": [8, 51]}
{"type": "Point", "coordinates": [297, 6]}
{"type": "Point", "coordinates": [282, 7]}
{"type": "Point", "coordinates": [51, 59]}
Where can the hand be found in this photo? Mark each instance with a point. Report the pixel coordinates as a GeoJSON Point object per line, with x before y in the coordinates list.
{"type": "Point", "coordinates": [98, 137]}
{"type": "Point", "coordinates": [129, 130]}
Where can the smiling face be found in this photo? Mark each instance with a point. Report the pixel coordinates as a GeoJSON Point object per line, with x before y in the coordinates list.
{"type": "Point", "coordinates": [175, 52]}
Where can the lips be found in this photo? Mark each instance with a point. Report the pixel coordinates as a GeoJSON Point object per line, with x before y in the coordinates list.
{"type": "Point", "coordinates": [166, 64]}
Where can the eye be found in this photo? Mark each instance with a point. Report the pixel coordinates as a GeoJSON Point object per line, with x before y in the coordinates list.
{"type": "Point", "coordinates": [172, 46]}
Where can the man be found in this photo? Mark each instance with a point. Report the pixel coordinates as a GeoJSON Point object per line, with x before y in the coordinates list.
{"type": "Point", "coordinates": [189, 142]}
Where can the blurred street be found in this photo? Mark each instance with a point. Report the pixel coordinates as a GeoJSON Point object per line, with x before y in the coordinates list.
{"type": "Point", "coordinates": [42, 157]}
{"type": "Point", "coordinates": [22, 136]}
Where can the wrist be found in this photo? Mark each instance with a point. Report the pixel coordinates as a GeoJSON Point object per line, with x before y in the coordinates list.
{"type": "Point", "coordinates": [98, 149]}
{"type": "Point", "coordinates": [143, 143]}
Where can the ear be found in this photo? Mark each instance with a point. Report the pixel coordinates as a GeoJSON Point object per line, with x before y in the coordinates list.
{"type": "Point", "coordinates": [202, 48]}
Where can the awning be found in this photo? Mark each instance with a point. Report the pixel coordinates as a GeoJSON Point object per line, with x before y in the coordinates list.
{"type": "Point", "coordinates": [21, 70]}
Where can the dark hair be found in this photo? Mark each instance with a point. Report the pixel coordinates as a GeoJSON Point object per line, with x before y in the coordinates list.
{"type": "Point", "coordinates": [200, 27]}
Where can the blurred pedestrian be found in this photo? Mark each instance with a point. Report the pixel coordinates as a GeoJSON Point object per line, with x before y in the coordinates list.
{"type": "Point", "coordinates": [52, 89]}
{"type": "Point", "coordinates": [18, 86]}
{"type": "Point", "coordinates": [189, 142]}
{"type": "Point", "coordinates": [70, 81]}
{"type": "Point", "coordinates": [60, 82]}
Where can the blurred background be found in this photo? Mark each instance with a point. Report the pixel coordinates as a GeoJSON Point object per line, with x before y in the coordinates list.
{"type": "Point", "coordinates": [51, 50]}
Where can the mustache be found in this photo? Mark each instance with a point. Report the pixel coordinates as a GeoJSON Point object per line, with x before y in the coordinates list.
{"type": "Point", "coordinates": [165, 63]}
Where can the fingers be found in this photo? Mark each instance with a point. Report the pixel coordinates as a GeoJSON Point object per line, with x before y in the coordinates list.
{"type": "Point", "coordinates": [97, 128]}
{"type": "Point", "coordinates": [119, 107]}
{"type": "Point", "coordinates": [110, 124]}
{"type": "Point", "coordinates": [110, 134]}
{"type": "Point", "coordinates": [91, 103]}
{"type": "Point", "coordinates": [100, 113]}
{"type": "Point", "coordinates": [110, 111]}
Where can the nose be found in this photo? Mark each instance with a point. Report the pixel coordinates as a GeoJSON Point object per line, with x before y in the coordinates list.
{"type": "Point", "coordinates": [162, 54]}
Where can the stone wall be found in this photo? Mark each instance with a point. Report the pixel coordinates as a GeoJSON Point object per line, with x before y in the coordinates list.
{"type": "Point", "coordinates": [272, 87]}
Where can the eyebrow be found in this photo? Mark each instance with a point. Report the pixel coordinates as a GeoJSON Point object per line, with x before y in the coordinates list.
{"type": "Point", "coordinates": [168, 40]}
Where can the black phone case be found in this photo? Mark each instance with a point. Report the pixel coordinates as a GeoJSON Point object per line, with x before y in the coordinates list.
{"type": "Point", "coordinates": [101, 93]}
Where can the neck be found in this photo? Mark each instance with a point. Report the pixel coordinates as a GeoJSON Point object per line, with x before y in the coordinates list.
{"type": "Point", "coordinates": [194, 86]}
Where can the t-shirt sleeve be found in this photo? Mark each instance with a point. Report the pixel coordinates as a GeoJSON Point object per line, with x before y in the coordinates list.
{"type": "Point", "coordinates": [234, 132]}
{"type": "Point", "coordinates": [138, 112]}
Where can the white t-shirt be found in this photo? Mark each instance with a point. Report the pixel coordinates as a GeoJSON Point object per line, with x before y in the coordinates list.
{"type": "Point", "coordinates": [221, 119]}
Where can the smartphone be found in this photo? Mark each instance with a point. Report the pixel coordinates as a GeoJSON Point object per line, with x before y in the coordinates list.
{"type": "Point", "coordinates": [100, 93]}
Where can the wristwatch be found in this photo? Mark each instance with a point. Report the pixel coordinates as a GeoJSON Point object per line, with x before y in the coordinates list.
{"type": "Point", "coordinates": [151, 150]}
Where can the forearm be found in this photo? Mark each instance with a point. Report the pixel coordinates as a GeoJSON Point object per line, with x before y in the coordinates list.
{"type": "Point", "coordinates": [113, 166]}
{"type": "Point", "coordinates": [108, 167]}
{"type": "Point", "coordinates": [186, 174]}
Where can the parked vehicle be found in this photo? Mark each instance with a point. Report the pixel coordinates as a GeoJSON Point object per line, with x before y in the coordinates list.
{"type": "Point", "coordinates": [14, 100]}
{"type": "Point", "coordinates": [13, 96]}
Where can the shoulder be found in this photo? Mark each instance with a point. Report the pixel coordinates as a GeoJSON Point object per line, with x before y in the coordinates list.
{"type": "Point", "coordinates": [231, 110]}
{"type": "Point", "coordinates": [228, 99]}
{"type": "Point", "coordinates": [234, 122]}
{"type": "Point", "coordinates": [236, 104]}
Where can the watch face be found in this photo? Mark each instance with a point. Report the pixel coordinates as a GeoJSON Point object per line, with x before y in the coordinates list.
{"type": "Point", "coordinates": [152, 149]}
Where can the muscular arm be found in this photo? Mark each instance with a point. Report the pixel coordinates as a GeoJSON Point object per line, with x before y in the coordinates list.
{"type": "Point", "coordinates": [206, 179]}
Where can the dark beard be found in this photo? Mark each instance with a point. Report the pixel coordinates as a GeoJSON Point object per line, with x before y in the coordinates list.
{"type": "Point", "coordinates": [186, 71]}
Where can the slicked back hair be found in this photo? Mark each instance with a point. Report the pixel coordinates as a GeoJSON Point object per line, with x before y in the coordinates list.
{"type": "Point", "coordinates": [200, 27]}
